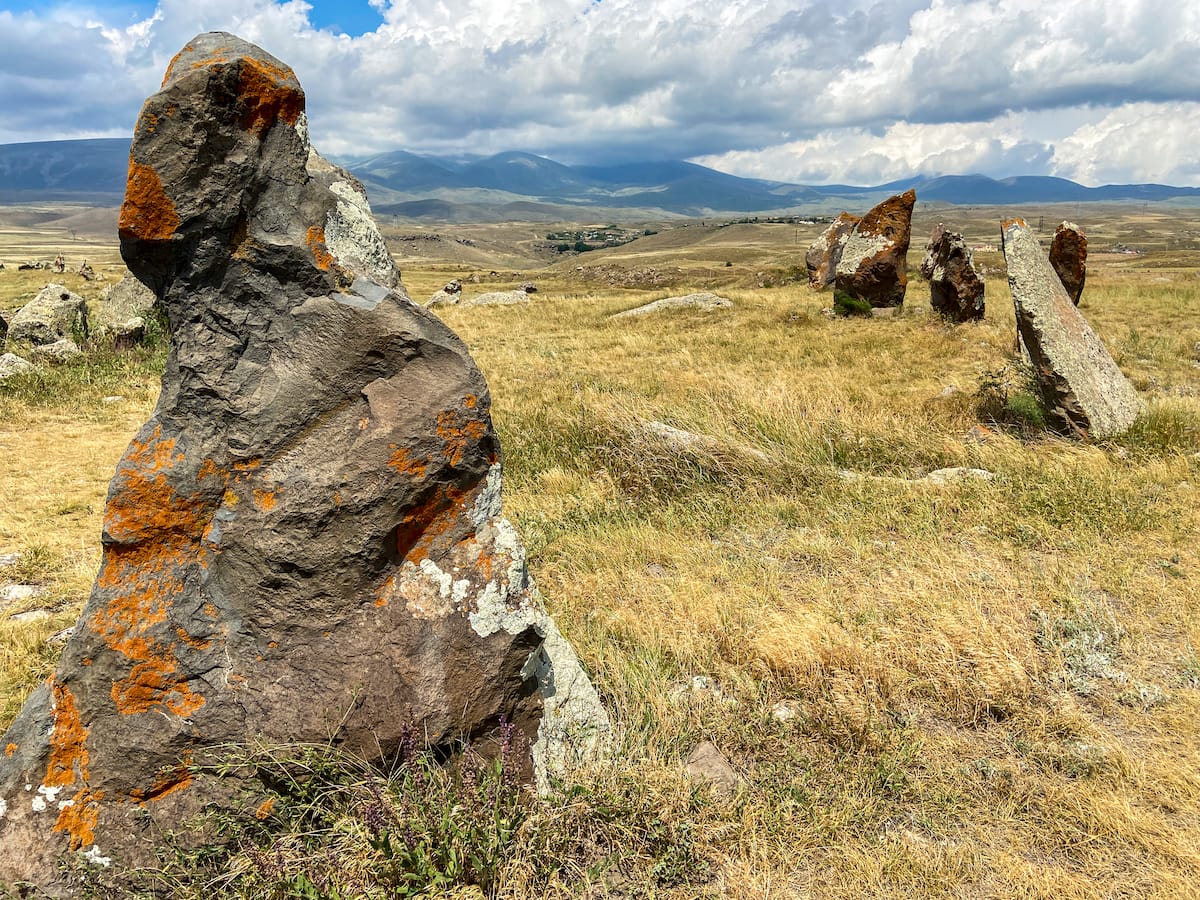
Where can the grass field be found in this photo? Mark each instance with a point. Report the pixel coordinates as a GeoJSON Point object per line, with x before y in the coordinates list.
{"type": "Point", "coordinates": [978, 689]}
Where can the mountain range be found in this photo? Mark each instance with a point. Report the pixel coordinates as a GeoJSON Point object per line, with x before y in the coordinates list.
{"type": "Point", "coordinates": [521, 185]}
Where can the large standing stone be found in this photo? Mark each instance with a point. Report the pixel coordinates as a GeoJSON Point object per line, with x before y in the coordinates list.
{"type": "Point", "coordinates": [1068, 256]}
{"type": "Point", "coordinates": [55, 313]}
{"type": "Point", "coordinates": [955, 288]}
{"type": "Point", "coordinates": [1081, 386]}
{"type": "Point", "coordinates": [826, 251]}
{"type": "Point", "coordinates": [872, 271]}
{"type": "Point", "coordinates": [305, 542]}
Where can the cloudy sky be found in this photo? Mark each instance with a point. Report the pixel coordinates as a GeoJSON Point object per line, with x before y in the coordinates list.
{"type": "Point", "coordinates": [810, 91]}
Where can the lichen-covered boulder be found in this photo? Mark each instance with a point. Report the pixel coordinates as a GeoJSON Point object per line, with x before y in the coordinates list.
{"type": "Point", "coordinates": [872, 271]}
{"type": "Point", "coordinates": [825, 252]}
{"type": "Point", "coordinates": [305, 542]}
{"type": "Point", "coordinates": [11, 364]}
{"type": "Point", "coordinates": [1068, 257]}
{"type": "Point", "coordinates": [955, 288]}
{"type": "Point", "coordinates": [55, 313]}
{"type": "Point", "coordinates": [1081, 386]}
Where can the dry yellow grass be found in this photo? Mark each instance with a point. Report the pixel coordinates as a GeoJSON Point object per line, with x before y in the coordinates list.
{"type": "Point", "coordinates": [981, 689]}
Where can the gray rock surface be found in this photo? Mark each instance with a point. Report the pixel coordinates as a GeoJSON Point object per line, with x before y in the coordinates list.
{"type": "Point", "coordinates": [59, 351]}
{"type": "Point", "coordinates": [955, 288]}
{"type": "Point", "coordinates": [825, 252]}
{"type": "Point", "coordinates": [498, 298]}
{"type": "Point", "coordinates": [55, 313]}
{"type": "Point", "coordinates": [703, 301]}
{"type": "Point", "coordinates": [1081, 386]}
{"type": "Point", "coordinates": [121, 312]}
{"type": "Point", "coordinates": [11, 364]}
{"type": "Point", "coordinates": [449, 295]}
{"type": "Point", "coordinates": [305, 543]}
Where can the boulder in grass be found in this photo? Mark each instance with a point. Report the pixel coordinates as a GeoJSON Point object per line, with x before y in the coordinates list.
{"type": "Point", "coordinates": [872, 271]}
{"type": "Point", "coordinates": [1068, 257]}
{"type": "Point", "coordinates": [11, 364]}
{"type": "Point", "coordinates": [498, 298]}
{"type": "Point", "coordinates": [448, 295]}
{"type": "Point", "coordinates": [955, 288]}
{"type": "Point", "coordinates": [305, 542]}
{"type": "Point", "coordinates": [703, 301]}
{"type": "Point", "coordinates": [1081, 387]}
{"type": "Point", "coordinates": [59, 351]}
{"type": "Point", "coordinates": [55, 313]}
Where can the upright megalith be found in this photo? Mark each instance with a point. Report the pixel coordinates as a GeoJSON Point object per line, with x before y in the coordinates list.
{"type": "Point", "coordinates": [1068, 257]}
{"type": "Point", "coordinates": [825, 252]}
{"type": "Point", "coordinates": [872, 271]}
{"type": "Point", "coordinates": [1081, 386]}
{"type": "Point", "coordinates": [955, 288]}
{"type": "Point", "coordinates": [305, 542]}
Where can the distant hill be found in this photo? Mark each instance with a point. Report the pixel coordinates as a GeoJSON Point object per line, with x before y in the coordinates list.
{"type": "Point", "coordinates": [514, 183]}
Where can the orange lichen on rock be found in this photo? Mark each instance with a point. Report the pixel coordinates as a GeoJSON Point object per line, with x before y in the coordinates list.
{"type": "Point", "coordinates": [403, 462]}
{"type": "Point", "coordinates": [78, 818]}
{"type": "Point", "coordinates": [264, 809]}
{"type": "Point", "coordinates": [10, 749]}
{"type": "Point", "coordinates": [458, 434]}
{"type": "Point", "coordinates": [267, 97]}
{"type": "Point", "coordinates": [68, 741]}
{"type": "Point", "coordinates": [316, 242]}
{"type": "Point", "coordinates": [171, 65]}
{"type": "Point", "coordinates": [154, 535]}
{"type": "Point", "coordinates": [173, 779]}
{"type": "Point", "coordinates": [265, 499]}
{"type": "Point", "coordinates": [147, 213]}
{"type": "Point", "coordinates": [422, 528]}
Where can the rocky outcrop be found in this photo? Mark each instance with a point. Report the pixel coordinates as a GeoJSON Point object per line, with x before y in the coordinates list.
{"type": "Point", "coordinates": [1068, 257]}
{"type": "Point", "coordinates": [55, 313]}
{"type": "Point", "coordinates": [1081, 386]}
{"type": "Point", "coordinates": [825, 252]}
{"type": "Point", "coordinates": [871, 272]}
{"type": "Point", "coordinates": [305, 541]}
{"type": "Point", "coordinates": [955, 288]}
{"type": "Point", "coordinates": [702, 301]}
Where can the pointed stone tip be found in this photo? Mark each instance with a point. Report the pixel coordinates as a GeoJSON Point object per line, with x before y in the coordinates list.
{"type": "Point", "coordinates": [1015, 221]}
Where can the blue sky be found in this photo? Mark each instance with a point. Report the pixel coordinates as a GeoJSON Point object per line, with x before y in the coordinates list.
{"type": "Point", "coordinates": [813, 91]}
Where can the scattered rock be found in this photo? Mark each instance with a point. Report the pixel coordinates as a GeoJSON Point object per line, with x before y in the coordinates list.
{"type": "Point", "coordinates": [14, 593]}
{"type": "Point", "coordinates": [9, 559]}
{"type": "Point", "coordinates": [55, 313]}
{"type": "Point", "coordinates": [529, 287]}
{"type": "Point", "coordinates": [59, 351]}
{"type": "Point", "coordinates": [884, 312]}
{"type": "Point", "coordinates": [1068, 257]}
{"type": "Point", "coordinates": [1081, 386]}
{"type": "Point", "coordinates": [708, 763]}
{"type": "Point", "coordinates": [958, 473]}
{"type": "Point", "coordinates": [689, 441]}
{"type": "Point", "coordinates": [825, 252]}
{"type": "Point", "coordinates": [784, 712]}
{"type": "Point", "coordinates": [115, 398]}
{"type": "Point", "coordinates": [702, 301]}
{"type": "Point", "coordinates": [955, 288]}
{"type": "Point", "coordinates": [872, 271]}
{"type": "Point", "coordinates": [11, 364]}
{"type": "Point", "coordinates": [449, 294]}
{"type": "Point", "coordinates": [31, 615]}
{"type": "Point", "coordinates": [305, 542]}
{"type": "Point", "coordinates": [498, 298]}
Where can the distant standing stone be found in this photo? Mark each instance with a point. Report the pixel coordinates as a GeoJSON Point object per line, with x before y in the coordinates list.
{"type": "Point", "coordinates": [826, 251]}
{"type": "Point", "coordinates": [1081, 386]}
{"type": "Point", "coordinates": [871, 272]}
{"type": "Point", "coordinates": [1068, 256]}
{"type": "Point", "coordinates": [955, 288]}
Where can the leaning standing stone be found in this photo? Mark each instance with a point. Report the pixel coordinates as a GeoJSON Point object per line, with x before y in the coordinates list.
{"type": "Point", "coordinates": [871, 272]}
{"type": "Point", "coordinates": [1082, 388]}
{"type": "Point", "coordinates": [826, 251]}
{"type": "Point", "coordinates": [1068, 256]}
{"type": "Point", "coordinates": [305, 543]}
{"type": "Point", "coordinates": [955, 288]}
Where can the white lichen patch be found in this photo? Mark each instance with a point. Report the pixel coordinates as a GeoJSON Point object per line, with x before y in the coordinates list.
{"type": "Point", "coordinates": [859, 247]}
{"type": "Point", "coordinates": [46, 796]}
{"type": "Point", "coordinates": [352, 236]}
{"type": "Point", "coordinates": [3, 807]}
{"type": "Point", "coordinates": [94, 857]}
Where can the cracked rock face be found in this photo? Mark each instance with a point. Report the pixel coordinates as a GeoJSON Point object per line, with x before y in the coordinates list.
{"type": "Point", "coordinates": [305, 542]}
{"type": "Point", "coordinates": [955, 288]}
{"type": "Point", "coordinates": [1081, 386]}
{"type": "Point", "coordinates": [1068, 257]}
{"type": "Point", "coordinates": [871, 272]}
{"type": "Point", "coordinates": [825, 252]}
